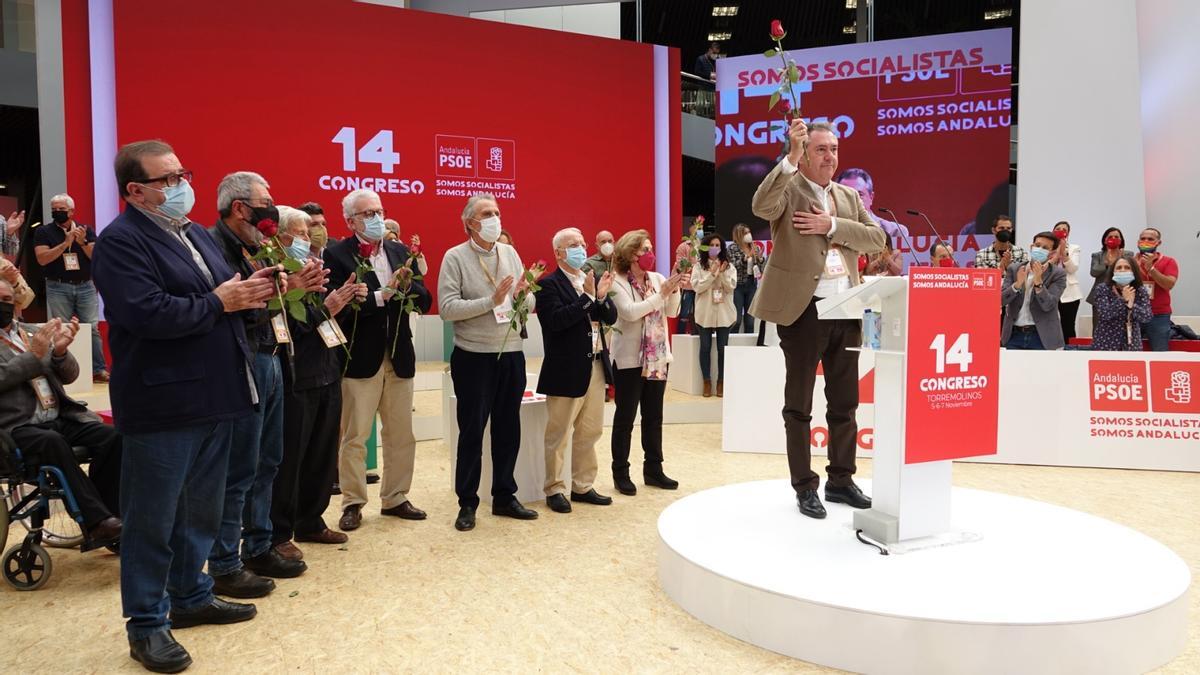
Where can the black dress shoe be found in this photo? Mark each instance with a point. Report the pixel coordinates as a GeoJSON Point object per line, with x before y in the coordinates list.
{"type": "Point", "coordinates": [466, 519]}
{"type": "Point", "coordinates": [105, 532]}
{"type": "Point", "coordinates": [659, 480]}
{"type": "Point", "coordinates": [160, 653]}
{"type": "Point", "coordinates": [406, 511]}
{"type": "Point", "coordinates": [216, 612]}
{"type": "Point", "coordinates": [271, 564]}
{"type": "Point", "coordinates": [372, 478]}
{"type": "Point", "coordinates": [514, 509]}
{"type": "Point", "coordinates": [624, 485]}
{"type": "Point", "coordinates": [591, 497]}
{"type": "Point", "coordinates": [558, 503]}
{"type": "Point", "coordinates": [242, 584]}
{"type": "Point", "coordinates": [847, 494]}
{"type": "Point", "coordinates": [810, 504]}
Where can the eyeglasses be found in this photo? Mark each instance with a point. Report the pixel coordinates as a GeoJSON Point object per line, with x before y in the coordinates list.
{"type": "Point", "coordinates": [171, 179]}
{"type": "Point", "coordinates": [369, 214]}
{"type": "Point", "coordinates": [267, 203]}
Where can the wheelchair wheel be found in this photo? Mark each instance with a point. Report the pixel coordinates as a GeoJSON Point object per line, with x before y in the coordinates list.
{"type": "Point", "coordinates": [4, 522]}
{"type": "Point", "coordinates": [59, 530]}
{"type": "Point", "coordinates": [27, 567]}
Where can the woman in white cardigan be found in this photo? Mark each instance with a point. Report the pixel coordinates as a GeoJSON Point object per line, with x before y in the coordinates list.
{"type": "Point", "coordinates": [1067, 255]}
{"type": "Point", "coordinates": [641, 352]}
{"type": "Point", "coordinates": [714, 280]}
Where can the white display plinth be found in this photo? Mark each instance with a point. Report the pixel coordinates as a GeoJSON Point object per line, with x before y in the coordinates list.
{"type": "Point", "coordinates": [684, 374]}
{"type": "Point", "coordinates": [530, 471]}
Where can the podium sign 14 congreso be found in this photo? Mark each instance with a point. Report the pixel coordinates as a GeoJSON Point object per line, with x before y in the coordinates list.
{"type": "Point", "coordinates": [952, 374]}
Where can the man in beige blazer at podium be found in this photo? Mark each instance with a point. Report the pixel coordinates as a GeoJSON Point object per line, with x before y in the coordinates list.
{"type": "Point", "coordinates": [818, 228]}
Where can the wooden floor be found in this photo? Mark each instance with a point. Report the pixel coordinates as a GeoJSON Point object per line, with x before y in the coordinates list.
{"type": "Point", "coordinates": [565, 593]}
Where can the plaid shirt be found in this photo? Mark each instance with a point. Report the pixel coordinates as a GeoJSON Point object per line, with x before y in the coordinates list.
{"type": "Point", "coordinates": [9, 246]}
{"type": "Point", "coordinates": [989, 258]}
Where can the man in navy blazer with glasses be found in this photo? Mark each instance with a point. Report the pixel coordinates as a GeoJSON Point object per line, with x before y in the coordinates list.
{"type": "Point", "coordinates": [180, 377]}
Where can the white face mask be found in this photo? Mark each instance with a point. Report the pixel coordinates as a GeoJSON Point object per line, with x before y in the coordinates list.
{"type": "Point", "coordinates": [489, 229]}
{"type": "Point", "coordinates": [748, 239]}
{"type": "Point", "coordinates": [606, 248]}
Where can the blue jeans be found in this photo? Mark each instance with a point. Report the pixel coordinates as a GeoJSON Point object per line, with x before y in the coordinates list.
{"type": "Point", "coordinates": [64, 301]}
{"type": "Point", "coordinates": [1158, 332]}
{"type": "Point", "coordinates": [1022, 340]}
{"type": "Point", "coordinates": [743, 295]}
{"type": "Point", "coordinates": [706, 335]}
{"type": "Point", "coordinates": [253, 463]}
{"type": "Point", "coordinates": [171, 487]}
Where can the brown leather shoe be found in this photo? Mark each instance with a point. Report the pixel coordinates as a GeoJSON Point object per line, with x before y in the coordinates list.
{"type": "Point", "coordinates": [406, 511]}
{"type": "Point", "coordinates": [707, 388]}
{"type": "Point", "coordinates": [325, 536]}
{"type": "Point", "coordinates": [101, 376]}
{"type": "Point", "coordinates": [720, 388]}
{"type": "Point", "coordinates": [105, 531]}
{"type": "Point", "coordinates": [351, 518]}
{"type": "Point", "coordinates": [288, 551]}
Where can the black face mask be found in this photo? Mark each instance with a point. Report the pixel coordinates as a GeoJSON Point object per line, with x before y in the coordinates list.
{"type": "Point", "coordinates": [259, 213]}
{"type": "Point", "coordinates": [1004, 236]}
{"type": "Point", "coordinates": [59, 217]}
{"type": "Point", "coordinates": [6, 314]}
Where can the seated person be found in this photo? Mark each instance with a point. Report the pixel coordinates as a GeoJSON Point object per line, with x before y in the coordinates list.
{"type": "Point", "coordinates": [45, 423]}
{"type": "Point", "coordinates": [886, 263]}
{"type": "Point", "coordinates": [940, 255]}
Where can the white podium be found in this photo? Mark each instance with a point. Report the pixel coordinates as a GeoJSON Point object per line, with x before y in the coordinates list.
{"type": "Point", "coordinates": [910, 501]}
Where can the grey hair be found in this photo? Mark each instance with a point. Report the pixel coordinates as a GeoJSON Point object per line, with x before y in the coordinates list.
{"type": "Point", "coordinates": [391, 225]}
{"type": "Point", "coordinates": [289, 216]}
{"type": "Point", "coordinates": [64, 197]}
{"type": "Point", "coordinates": [236, 185]}
{"type": "Point", "coordinates": [352, 197]}
{"type": "Point", "coordinates": [560, 237]}
{"type": "Point", "coordinates": [469, 209]}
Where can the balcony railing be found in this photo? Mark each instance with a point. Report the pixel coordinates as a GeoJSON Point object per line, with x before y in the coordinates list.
{"type": "Point", "coordinates": [698, 96]}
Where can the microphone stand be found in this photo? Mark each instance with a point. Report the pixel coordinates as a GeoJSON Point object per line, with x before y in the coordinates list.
{"type": "Point", "coordinates": [941, 239]}
{"type": "Point", "coordinates": [911, 251]}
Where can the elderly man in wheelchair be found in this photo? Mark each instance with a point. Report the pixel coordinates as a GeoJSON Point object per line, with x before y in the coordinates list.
{"type": "Point", "coordinates": [46, 426]}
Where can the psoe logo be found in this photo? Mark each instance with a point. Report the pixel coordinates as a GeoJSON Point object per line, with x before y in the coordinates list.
{"type": "Point", "coordinates": [1173, 386]}
{"type": "Point", "coordinates": [1118, 386]}
{"type": "Point", "coordinates": [471, 157]}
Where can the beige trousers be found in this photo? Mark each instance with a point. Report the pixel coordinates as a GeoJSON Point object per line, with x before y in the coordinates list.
{"type": "Point", "coordinates": [586, 415]}
{"type": "Point", "coordinates": [392, 397]}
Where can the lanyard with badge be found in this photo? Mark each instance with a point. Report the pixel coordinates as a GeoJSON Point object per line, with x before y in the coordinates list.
{"type": "Point", "coordinates": [70, 258]}
{"type": "Point", "coordinates": [504, 310]}
{"type": "Point", "coordinates": [835, 263]}
{"type": "Point", "coordinates": [40, 384]}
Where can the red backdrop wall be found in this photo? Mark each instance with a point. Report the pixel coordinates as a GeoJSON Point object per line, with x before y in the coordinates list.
{"type": "Point", "coordinates": [266, 86]}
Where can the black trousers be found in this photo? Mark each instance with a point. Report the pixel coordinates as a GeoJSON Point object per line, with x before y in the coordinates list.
{"type": "Point", "coordinates": [634, 391]}
{"type": "Point", "coordinates": [50, 444]}
{"type": "Point", "coordinates": [1067, 311]}
{"type": "Point", "coordinates": [487, 387]}
{"type": "Point", "coordinates": [300, 493]}
{"type": "Point", "coordinates": [805, 343]}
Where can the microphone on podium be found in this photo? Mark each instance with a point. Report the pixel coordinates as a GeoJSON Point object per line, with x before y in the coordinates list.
{"type": "Point", "coordinates": [914, 212]}
{"type": "Point", "coordinates": [911, 251]}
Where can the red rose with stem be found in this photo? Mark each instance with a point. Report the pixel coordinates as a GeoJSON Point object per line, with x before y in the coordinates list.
{"type": "Point", "coordinates": [520, 311]}
{"type": "Point", "coordinates": [365, 250]}
{"type": "Point", "coordinates": [407, 274]}
{"type": "Point", "coordinates": [789, 73]}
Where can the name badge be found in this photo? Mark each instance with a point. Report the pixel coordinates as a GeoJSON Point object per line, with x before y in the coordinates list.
{"type": "Point", "coordinates": [718, 296]}
{"type": "Point", "coordinates": [504, 310]}
{"type": "Point", "coordinates": [331, 333]}
{"type": "Point", "coordinates": [279, 325]}
{"type": "Point", "coordinates": [71, 262]}
{"type": "Point", "coordinates": [45, 395]}
{"type": "Point", "coordinates": [595, 337]}
{"type": "Point", "coordinates": [834, 265]}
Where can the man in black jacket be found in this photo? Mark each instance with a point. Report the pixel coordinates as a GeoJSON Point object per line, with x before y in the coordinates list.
{"type": "Point", "coordinates": [312, 407]}
{"type": "Point", "coordinates": [382, 362]}
{"type": "Point", "coordinates": [573, 307]}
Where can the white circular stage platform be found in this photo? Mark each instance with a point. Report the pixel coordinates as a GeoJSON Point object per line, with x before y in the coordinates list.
{"type": "Point", "coordinates": [1043, 590]}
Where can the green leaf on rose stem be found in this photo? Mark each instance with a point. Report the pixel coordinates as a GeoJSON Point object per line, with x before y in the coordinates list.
{"type": "Point", "coordinates": [771, 53]}
{"type": "Point", "coordinates": [793, 73]}
{"type": "Point", "coordinates": [273, 304]}
{"type": "Point", "coordinates": [292, 265]}
{"type": "Point", "coordinates": [296, 309]}
{"type": "Point", "coordinates": [294, 294]}
{"type": "Point", "coordinates": [774, 100]}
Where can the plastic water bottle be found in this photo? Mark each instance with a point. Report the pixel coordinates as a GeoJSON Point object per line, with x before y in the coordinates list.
{"type": "Point", "coordinates": [870, 329]}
